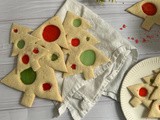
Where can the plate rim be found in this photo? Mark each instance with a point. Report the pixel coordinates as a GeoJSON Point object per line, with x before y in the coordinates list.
{"type": "Point", "coordinates": [124, 82]}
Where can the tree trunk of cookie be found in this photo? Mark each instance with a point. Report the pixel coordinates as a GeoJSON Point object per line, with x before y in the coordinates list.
{"type": "Point", "coordinates": [147, 24]}
{"type": "Point", "coordinates": [135, 102]}
{"type": "Point", "coordinates": [28, 99]}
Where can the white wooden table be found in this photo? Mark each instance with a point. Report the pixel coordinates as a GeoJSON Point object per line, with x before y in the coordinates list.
{"type": "Point", "coordinates": [32, 13]}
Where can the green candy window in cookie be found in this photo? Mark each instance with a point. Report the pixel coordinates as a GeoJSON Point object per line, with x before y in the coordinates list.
{"type": "Point", "coordinates": [21, 44]}
{"type": "Point", "coordinates": [75, 42]}
{"type": "Point", "coordinates": [87, 38]}
{"type": "Point", "coordinates": [46, 86]}
{"type": "Point", "coordinates": [25, 59]}
{"type": "Point", "coordinates": [54, 56]}
{"type": "Point", "coordinates": [77, 22]}
{"type": "Point", "coordinates": [149, 9]}
{"type": "Point", "coordinates": [51, 33]}
{"type": "Point", "coordinates": [88, 57]}
{"type": "Point", "coordinates": [28, 76]}
{"type": "Point", "coordinates": [152, 81]}
{"type": "Point", "coordinates": [143, 92]}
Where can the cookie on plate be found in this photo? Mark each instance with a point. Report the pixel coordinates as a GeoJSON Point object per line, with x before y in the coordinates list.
{"type": "Point", "coordinates": [149, 10]}
{"type": "Point", "coordinates": [141, 93]}
{"type": "Point", "coordinates": [155, 110]}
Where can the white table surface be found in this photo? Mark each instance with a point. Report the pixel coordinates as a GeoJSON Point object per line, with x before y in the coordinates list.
{"type": "Point", "coordinates": [32, 13]}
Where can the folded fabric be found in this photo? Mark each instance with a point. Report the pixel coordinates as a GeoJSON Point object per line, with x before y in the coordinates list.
{"type": "Point", "coordinates": [81, 95]}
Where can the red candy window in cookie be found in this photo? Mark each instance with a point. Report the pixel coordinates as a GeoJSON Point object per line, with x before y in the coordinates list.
{"type": "Point", "coordinates": [75, 42]}
{"type": "Point", "coordinates": [35, 50]}
{"type": "Point", "coordinates": [51, 33]}
{"type": "Point", "coordinates": [73, 66]}
{"type": "Point", "coordinates": [149, 9]}
{"type": "Point", "coordinates": [46, 86]}
{"type": "Point", "coordinates": [25, 59]}
{"type": "Point", "coordinates": [143, 92]}
{"type": "Point", "coordinates": [15, 30]}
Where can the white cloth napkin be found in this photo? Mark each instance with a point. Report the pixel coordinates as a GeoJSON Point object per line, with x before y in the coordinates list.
{"type": "Point", "coordinates": [80, 95]}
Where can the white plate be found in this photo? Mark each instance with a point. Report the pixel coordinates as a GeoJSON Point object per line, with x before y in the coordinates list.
{"type": "Point", "coordinates": [134, 76]}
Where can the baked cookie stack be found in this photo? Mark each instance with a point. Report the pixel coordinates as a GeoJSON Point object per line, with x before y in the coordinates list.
{"type": "Point", "coordinates": [147, 93]}
{"type": "Point", "coordinates": [41, 53]}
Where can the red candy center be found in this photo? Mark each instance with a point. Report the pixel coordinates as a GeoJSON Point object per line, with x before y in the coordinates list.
{"type": "Point", "coordinates": [47, 86]}
{"type": "Point", "coordinates": [35, 50]}
{"type": "Point", "coordinates": [75, 42]}
{"type": "Point", "coordinates": [73, 66]}
{"type": "Point", "coordinates": [149, 9]}
{"type": "Point", "coordinates": [15, 30]}
{"type": "Point", "coordinates": [143, 92]}
{"type": "Point", "coordinates": [51, 33]}
{"type": "Point", "coordinates": [25, 59]}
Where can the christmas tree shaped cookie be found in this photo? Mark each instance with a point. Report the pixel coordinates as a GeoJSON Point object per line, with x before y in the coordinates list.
{"type": "Point", "coordinates": [52, 32]}
{"type": "Point", "coordinates": [30, 57]}
{"type": "Point", "coordinates": [20, 38]}
{"type": "Point", "coordinates": [150, 79]}
{"type": "Point", "coordinates": [149, 10]}
{"type": "Point", "coordinates": [85, 61]}
{"type": "Point", "coordinates": [41, 83]}
{"type": "Point", "coordinates": [54, 58]}
{"type": "Point", "coordinates": [141, 93]}
{"type": "Point", "coordinates": [32, 49]}
{"type": "Point", "coordinates": [76, 31]}
{"type": "Point", "coordinates": [155, 110]}
{"type": "Point", "coordinates": [24, 45]}
{"type": "Point", "coordinates": [83, 56]}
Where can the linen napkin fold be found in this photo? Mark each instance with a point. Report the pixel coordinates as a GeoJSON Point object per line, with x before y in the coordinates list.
{"type": "Point", "coordinates": [81, 95]}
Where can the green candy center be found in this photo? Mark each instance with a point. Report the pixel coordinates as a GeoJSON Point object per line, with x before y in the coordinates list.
{"type": "Point", "coordinates": [88, 57]}
{"type": "Point", "coordinates": [54, 57]}
{"type": "Point", "coordinates": [28, 76]}
{"type": "Point", "coordinates": [77, 22]}
{"type": "Point", "coordinates": [21, 44]}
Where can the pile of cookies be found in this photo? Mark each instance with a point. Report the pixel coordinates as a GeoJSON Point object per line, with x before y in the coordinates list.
{"type": "Point", "coordinates": [148, 94]}
{"type": "Point", "coordinates": [42, 52]}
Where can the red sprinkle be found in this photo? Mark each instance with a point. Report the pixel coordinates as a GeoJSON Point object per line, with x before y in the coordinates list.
{"type": "Point", "coordinates": [124, 26]}
{"type": "Point", "coordinates": [137, 41]}
{"type": "Point", "coordinates": [143, 92]}
{"type": "Point", "coordinates": [73, 66]}
{"type": "Point", "coordinates": [121, 28]}
{"type": "Point", "coordinates": [132, 38]}
{"type": "Point", "coordinates": [144, 40]}
{"type": "Point", "coordinates": [47, 86]}
{"type": "Point", "coordinates": [25, 59]}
